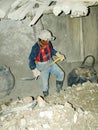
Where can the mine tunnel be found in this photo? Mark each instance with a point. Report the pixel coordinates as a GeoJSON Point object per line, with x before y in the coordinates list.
{"type": "Point", "coordinates": [74, 25]}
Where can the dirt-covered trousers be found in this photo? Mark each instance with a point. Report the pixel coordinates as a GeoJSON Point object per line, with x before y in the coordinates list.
{"type": "Point", "coordinates": [45, 74]}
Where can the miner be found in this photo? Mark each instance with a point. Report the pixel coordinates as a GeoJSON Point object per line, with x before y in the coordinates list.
{"type": "Point", "coordinates": [40, 57]}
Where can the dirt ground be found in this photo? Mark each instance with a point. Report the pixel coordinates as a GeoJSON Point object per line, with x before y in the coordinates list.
{"type": "Point", "coordinates": [75, 108]}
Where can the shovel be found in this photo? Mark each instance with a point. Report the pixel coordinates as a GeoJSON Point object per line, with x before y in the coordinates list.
{"type": "Point", "coordinates": [43, 69]}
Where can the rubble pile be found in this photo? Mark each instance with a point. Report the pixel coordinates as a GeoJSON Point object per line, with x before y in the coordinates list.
{"type": "Point", "coordinates": [64, 111]}
{"type": "Point", "coordinates": [83, 95]}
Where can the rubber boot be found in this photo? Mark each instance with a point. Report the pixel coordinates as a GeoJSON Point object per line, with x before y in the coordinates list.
{"type": "Point", "coordinates": [45, 93]}
{"type": "Point", "coordinates": [59, 85]}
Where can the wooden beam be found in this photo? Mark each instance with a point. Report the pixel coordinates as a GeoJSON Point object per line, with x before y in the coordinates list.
{"type": "Point", "coordinates": [21, 12]}
{"type": "Point", "coordinates": [39, 12]}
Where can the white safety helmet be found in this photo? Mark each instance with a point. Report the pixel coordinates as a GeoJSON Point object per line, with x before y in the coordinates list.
{"type": "Point", "coordinates": [45, 35]}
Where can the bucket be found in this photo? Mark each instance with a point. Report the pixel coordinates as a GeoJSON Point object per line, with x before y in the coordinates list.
{"type": "Point", "coordinates": [7, 81]}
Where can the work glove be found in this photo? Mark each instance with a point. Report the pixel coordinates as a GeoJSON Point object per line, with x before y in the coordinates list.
{"type": "Point", "coordinates": [58, 54]}
{"type": "Point", "coordinates": [36, 72]}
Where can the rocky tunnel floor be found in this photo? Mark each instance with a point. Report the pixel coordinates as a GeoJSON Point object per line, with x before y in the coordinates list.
{"type": "Point", "coordinates": [75, 108]}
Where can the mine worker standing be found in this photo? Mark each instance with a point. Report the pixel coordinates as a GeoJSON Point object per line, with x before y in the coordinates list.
{"type": "Point", "coordinates": [41, 56]}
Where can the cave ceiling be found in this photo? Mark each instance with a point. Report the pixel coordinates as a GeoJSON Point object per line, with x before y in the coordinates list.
{"type": "Point", "coordinates": [34, 9]}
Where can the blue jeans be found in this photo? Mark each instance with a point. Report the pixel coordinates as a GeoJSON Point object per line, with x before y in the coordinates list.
{"type": "Point", "coordinates": [45, 74]}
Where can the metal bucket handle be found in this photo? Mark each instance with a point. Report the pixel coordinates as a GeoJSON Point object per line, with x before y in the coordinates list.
{"type": "Point", "coordinates": [83, 65]}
